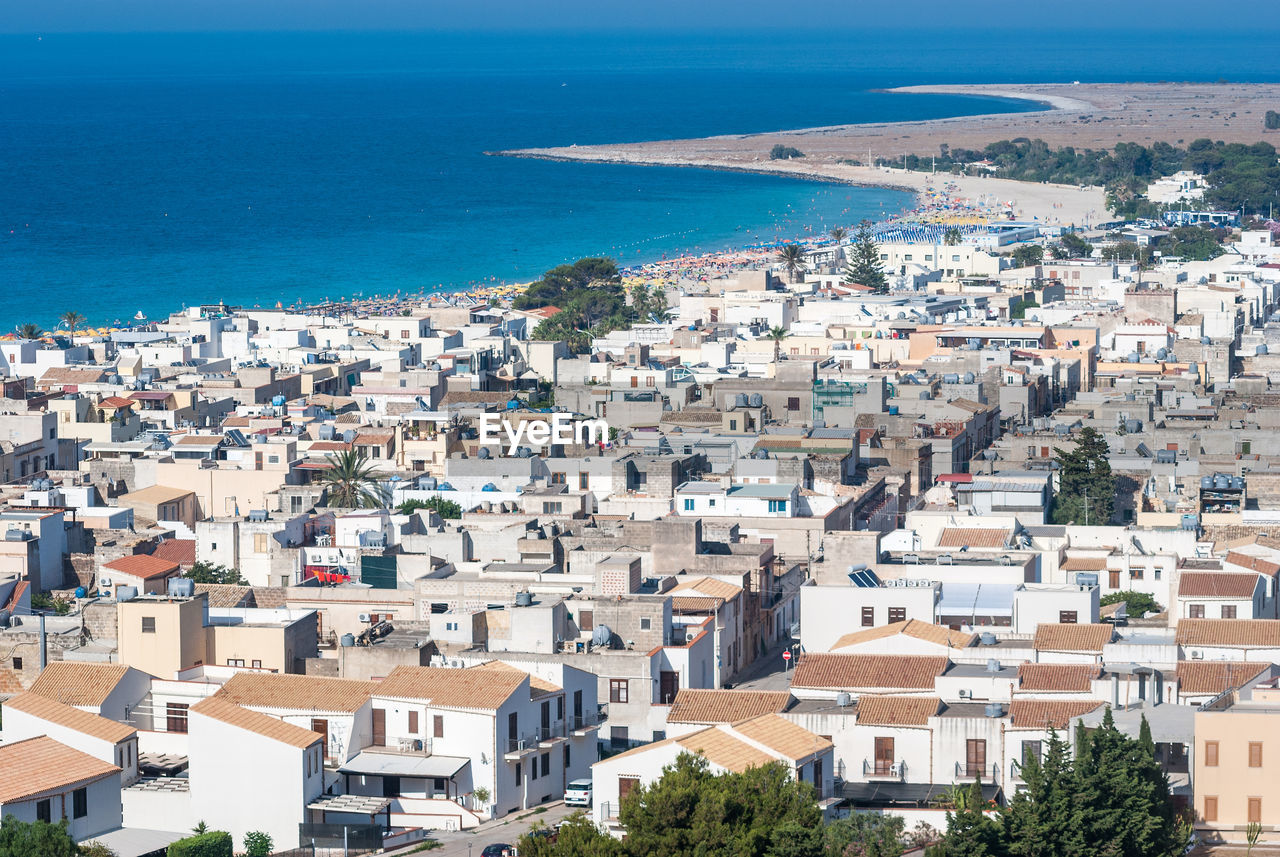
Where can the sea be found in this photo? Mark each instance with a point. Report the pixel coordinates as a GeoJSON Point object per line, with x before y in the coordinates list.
{"type": "Point", "coordinates": [144, 172]}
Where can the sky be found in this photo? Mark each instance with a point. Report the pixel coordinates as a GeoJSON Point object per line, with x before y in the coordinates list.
{"type": "Point", "coordinates": [1037, 18]}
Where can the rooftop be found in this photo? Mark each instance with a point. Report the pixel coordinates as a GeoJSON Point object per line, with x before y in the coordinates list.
{"type": "Point", "coordinates": [38, 765]}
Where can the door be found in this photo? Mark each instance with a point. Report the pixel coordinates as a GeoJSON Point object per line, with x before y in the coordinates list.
{"type": "Point", "coordinates": [577, 709]}
{"type": "Point", "coordinates": [884, 756]}
{"type": "Point", "coordinates": [321, 728]}
{"type": "Point", "coordinates": [1113, 578]}
{"type": "Point", "coordinates": [513, 730]}
{"type": "Point", "coordinates": [587, 620]}
{"type": "Point", "coordinates": [626, 785]}
{"type": "Point", "coordinates": [975, 757]}
{"type": "Point", "coordinates": [817, 777]}
{"type": "Point", "coordinates": [379, 727]}
{"type": "Point", "coordinates": [668, 686]}
{"type": "Point", "coordinates": [546, 719]}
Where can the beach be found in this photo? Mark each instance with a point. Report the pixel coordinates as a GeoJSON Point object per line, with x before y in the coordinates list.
{"type": "Point", "coordinates": [1082, 115]}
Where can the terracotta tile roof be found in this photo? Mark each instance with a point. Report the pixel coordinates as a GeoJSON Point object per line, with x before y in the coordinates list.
{"type": "Point", "coordinates": [484, 690]}
{"type": "Point", "coordinates": [1067, 637]}
{"type": "Point", "coordinates": [226, 594]}
{"type": "Point", "coordinates": [537, 686]}
{"type": "Point", "coordinates": [15, 596]}
{"type": "Point", "coordinates": [1084, 563]}
{"type": "Point", "coordinates": [143, 566]}
{"type": "Point", "coordinates": [783, 737]}
{"type": "Point", "coordinates": [217, 708]}
{"type": "Point", "coordinates": [1048, 713]}
{"type": "Point", "coordinates": [52, 711]}
{"type": "Point", "coordinates": [328, 446]}
{"type": "Point", "coordinates": [937, 634]}
{"type": "Point", "coordinates": [694, 604]}
{"type": "Point", "coordinates": [708, 586]}
{"type": "Point", "coordinates": [296, 692]}
{"type": "Point", "coordinates": [897, 710]}
{"type": "Point", "coordinates": [181, 551]}
{"type": "Point", "coordinates": [1215, 676]}
{"type": "Point", "coordinates": [1217, 584]}
{"type": "Point", "coordinates": [10, 684]}
{"type": "Point", "coordinates": [849, 672]}
{"type": "Point", "coordinates": [1057, 677]}
{"type": "Point", "coordinates": [80, 684]}
{"type": "Point", "coordinates": [975, 537]}
{"type": "Point", "coordinates": [1253, 563]}
{"type": "Point", "coordinates": [72, 375]}
{"type": "Point", "coordinates": [116, 402]}
{"type": "Point", "coordinates": [156, 494]}
{"type": "Point", "coordinates": [200, 440]}
{"type": "Point", "coordinates": [1244, 633]}
{"type": "Point", "coordinates": [719, 747]}
{"type": "Point", "coordinates": [38, 765]}
{"type": "Point", "coordinates": [725, 706]}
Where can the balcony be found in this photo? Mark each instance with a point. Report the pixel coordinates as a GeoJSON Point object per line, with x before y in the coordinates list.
{"type": "Point", "coordinates": [521, 746]}
{"type": "Point", "coordinates": [884, 771]}
{"type": "Point", "coordinates": [403, 747]}
{"type": "Point", "coordinates": [584, 723]}
{"type": "Point", "coordinates": [984, 773]}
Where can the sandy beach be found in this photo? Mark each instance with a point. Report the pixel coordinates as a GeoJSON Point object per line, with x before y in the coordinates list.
{"type": "Point", "coordinates": [1082, 115]}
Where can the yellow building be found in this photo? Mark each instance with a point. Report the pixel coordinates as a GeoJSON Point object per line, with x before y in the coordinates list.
{"type": "Point", "coordinates": [1237, 765]}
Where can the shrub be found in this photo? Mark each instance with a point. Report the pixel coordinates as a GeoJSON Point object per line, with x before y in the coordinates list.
{"type": "Point", "coordinates": [258, 844]}
{"type": "Point", "coordinates": [784, 153]}
{"type": "Point", "coordinates": [215, 843]}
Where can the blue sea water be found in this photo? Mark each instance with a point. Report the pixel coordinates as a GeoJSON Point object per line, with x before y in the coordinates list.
{"type": "Point", "coordinates": [149, 171]}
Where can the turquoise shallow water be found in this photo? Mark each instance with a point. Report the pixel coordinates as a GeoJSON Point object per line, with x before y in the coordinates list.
{"type": "Point", "coordinates": [142, 172]}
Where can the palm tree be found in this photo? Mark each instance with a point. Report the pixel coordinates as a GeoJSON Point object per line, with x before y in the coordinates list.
{"type": "Point", "coordinates": [838, 234]}
{"type": "Point", "coordinates": [952, 236]}
{"type": "Point", "coordinates": [791, 256]}
{"type": "Point", "coordinates": [72, 320]}
{"type": "Point", "coordinates": [30, 331]}
{"type": "Point", "coordinates": [350, 481]}
{"type": "Point", "coordinates": [777, 334]}
{"type": "Point", "coordinates": [200, 828]}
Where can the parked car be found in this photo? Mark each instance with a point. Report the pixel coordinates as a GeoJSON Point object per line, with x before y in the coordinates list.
{"type": "Point", "coordinates": [578, 793]}
{"type": "Point", "coordinates": [498, 849]}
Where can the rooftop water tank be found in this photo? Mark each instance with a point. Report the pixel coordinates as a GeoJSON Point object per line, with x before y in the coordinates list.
{"type": "Point", "coordinates": [1262, 349]}
{"type": "Point", "coordinates": [601, 636]}
{"type": "Point", "coordinates": [278, 401]}
{"type": "Point", "coordinates": [993, 709]}
{"type": "Point", "coordinates": [1206, 483]}
{"type": "Point", "coordinates": [524, 599]}
{"type": "Point", "coordinates": [844, 699]}
{"type": "Point", "coordinates": [986, 638]}
{"type": "Point", "coordinates": [740, 400]}
{"type": "Point", "coordinates": [757, 400]}
{"type": "Point", "coordinates": [181, 587]}
{"type": "Point", "coordinates": [969, 377]}
{"type": "Point", "coordinates": [347, 640]}
{"type": "Point", "coordinates": [126, 593]}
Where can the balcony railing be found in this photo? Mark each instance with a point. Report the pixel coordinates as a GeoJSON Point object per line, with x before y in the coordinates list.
{"type": "Point", "coordinates": [404, 747]}
{"type": "Point", "coordinates": [966, 771]}
{"type": "Point", "coordinates": [586, 720]}
{"type": "Point", "coordinates": [881, 769]}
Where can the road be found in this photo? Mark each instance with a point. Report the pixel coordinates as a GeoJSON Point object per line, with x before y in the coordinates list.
{"type": "Point", "coordinates": [769, 672]}
{"type": "Point", "coordinates": [507, 830]}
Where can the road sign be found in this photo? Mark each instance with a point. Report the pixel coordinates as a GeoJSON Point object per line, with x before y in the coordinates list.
{"type": "Point", "coordinates": [786, 656]}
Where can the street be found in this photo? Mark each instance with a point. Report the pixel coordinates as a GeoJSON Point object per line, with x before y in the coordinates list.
{"type": "Point", "coordinates": [508, 830]}
{"type": "Point", "coordinates": [769, 672]}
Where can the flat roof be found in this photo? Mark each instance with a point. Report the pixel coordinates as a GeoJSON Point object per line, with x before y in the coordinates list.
{"type": "Point", "coordinates": [403, 765]}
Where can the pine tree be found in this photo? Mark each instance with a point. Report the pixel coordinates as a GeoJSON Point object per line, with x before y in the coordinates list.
{"type": "Point", "coordinates": [970, 833]}
{"type": "Point", "coordinates": [1043, 819]}
{"type": "Point", "coordinates": [1086, 486]}
{"type": "Point", "coordinates": [864, 266]}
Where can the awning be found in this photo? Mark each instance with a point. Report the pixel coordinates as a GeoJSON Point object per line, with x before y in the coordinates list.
{"type": "Point", "coordinates": [360, 804]}
{"type": "Point", "coordinates": [398, 765]}
{"type": "Point", "coordinates": [137, 841]}
{"type": "Point", "coordinates": [976, 599]}
{"type": "Point", "coordinates": [884, 794]}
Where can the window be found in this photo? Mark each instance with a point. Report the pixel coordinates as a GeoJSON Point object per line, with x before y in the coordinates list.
{"type": "Point", "coordinates": [777, 505]}
{"type": "Point", "coordinates": [17, 663]}
{"type": "Point", "coordinates": [868, 616]}
{"type": "Point", "coordinates": [148, 624]}
{"type": "Point", "coordinates": [733, 425]}
{"type": "Point", "coordinates": [437, 725]}
{"type": "Point", "coordinates": [906, 257]}
{"type": "Point", "coordinates": [1255, 754]}
{"type": "Point", "coordinates": [404, 334]}
{"type": "Point", "coordinates": [583, 481]}
{"type": "Point", "coordinates": [557, 478]}
{"type": "Point", "coordinates": [413, 723]}
{"type": "Point", "coordinates": [1210, 809]}
{"type": "Point", "coordinates": [1211, 754]}
{"type": "Point", "coordinates": [235, 662]}
{"type": "Point", "coordinates": [451, 626]}
{"type": "Point", "coordinates": [793, 403]}
{"type": "Point", "coordinates": [955, 258]}
{"type": "Point", "coordinates": [546, 764]}
{"type": "Point", "coordinates": [80, 803]}
{"type": "Point", "coordinates": [1196, 611]}
{"type": "Point", "coordinates": [42, 812]}
{"type": "Point", "coordinates": [617, 690]}
{"type": "Point", "coordinates": [1228, 611]}
{"type": "Point", "coordinates": [391, 787]}
{"type": "Point", "coordinates": [259, 542]}
{"type": "Point", "coordinates": [1255, 810]}
{"type": "Point", "coordinates": [619, 739]}
{"type": "Point", "coordinates": [533, 770]}
{"type": "Point", "coordinates": [552, 508]}
{"type": "Point", "coordinates": [566, 757]}
{"type": "Point", "coordinates": [646, 623]}
{"type": "Point", "coordinates": [1136, 573]}
{"type": "Point", "coordinates": [256, 664]}
{"type": "Point", "coordinates": [897, 614]}
{"type": "Point", "coordinates": [1067, 617]}
{"type": "Point", "coordinates": [1030, 750]}
{"type": "Point", "coordinates": [688, 504]}
{"type": "Point", "coordinates": [273, 459]}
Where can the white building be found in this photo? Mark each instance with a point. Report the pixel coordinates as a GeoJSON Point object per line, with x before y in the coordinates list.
{"type": "Point", "coordinates": [44, 780]}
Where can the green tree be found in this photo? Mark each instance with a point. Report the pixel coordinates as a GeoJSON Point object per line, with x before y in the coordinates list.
{"type": "Point", "coordinates": [864, 267]}
{"type": "Point", "coordinates": [784, 153]}
{"type": "Point", "coordinates": [1086, 486]}
{"type": "Point", "coordinates": [1027, 255]}
{"type": "Point", "coordinates": [207, 572]}
{"type": "Point", "coordinates": [864, 835]}
{"type": "Point", "coordinates": [578, 837]}
{"type": "Point", "coordinates": [970, 833]}
{"type": "Point", "coordinates": [29, 331]}
{"type": "Point", "coordinates": [212, 843]}
{"type": "Point", "coordinates": [71, 319]}
{"type": "Point", "coordinates": [791, 257]}
{"type": "Point", "coordinates": [96, 849]}
{"type": "Point", "coordinates": [1076, 246]}
{"type": "Point", "coordinates": [1057, 251]}
{"type": "Point", "coordinates": [35, 839]}
{"type": "Point", "coordinates": [952, 236]}
{"type": "Point", "coordinates": [350, 481]}
{"type": "Point", "coordinates": [258, 844]}
{"type": "Point", "coordinates": [447, 509]}
{"type": "Point", "coordinates": [47, 603]}
{"type": "Point", "coordinates": [777, 334]}
{"type": "Point", "coordinates": [1136, 603]}
{"type": "Point", "coordinates": [1043, 819]}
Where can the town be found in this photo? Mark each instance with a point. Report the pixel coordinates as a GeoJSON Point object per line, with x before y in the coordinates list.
{"type": "Point", "coordinates": [897, 511]}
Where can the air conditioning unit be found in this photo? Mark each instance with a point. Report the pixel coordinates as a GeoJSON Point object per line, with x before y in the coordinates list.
{"type": "Point", "coordinates": [966, 694]}
{"type": "Point", "coordinates": [364, 617]}
{"type": "Point", "coordinates": [1197, 655]}
{"type": "Point", "coordinates": [106, 581]}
